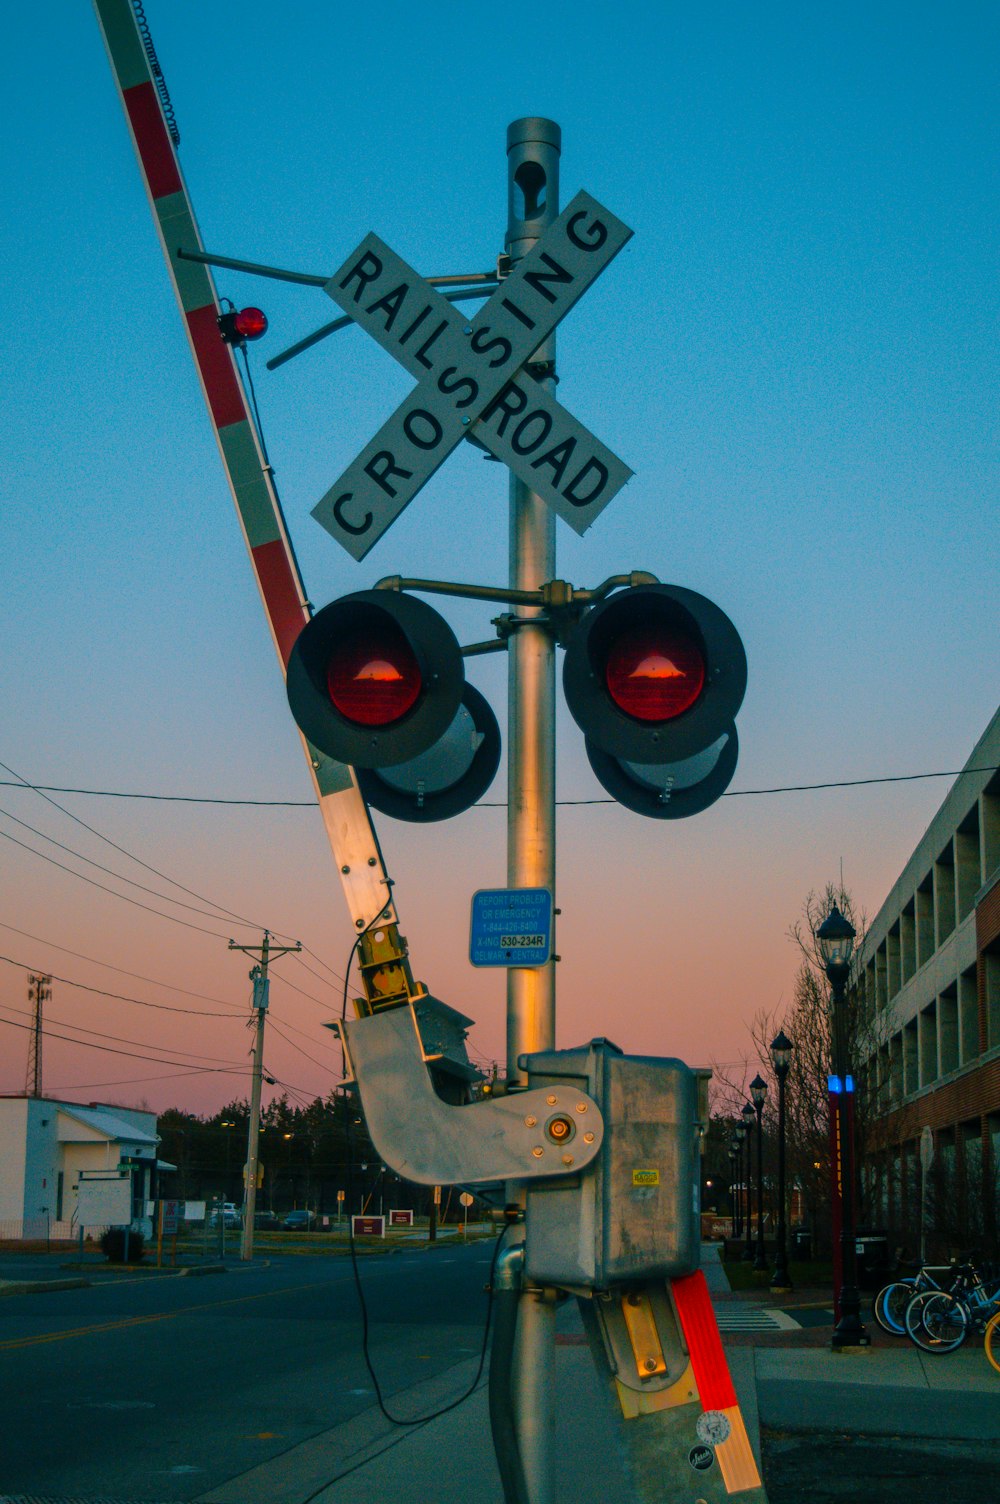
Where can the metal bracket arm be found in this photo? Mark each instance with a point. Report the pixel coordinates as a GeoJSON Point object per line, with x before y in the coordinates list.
{"type": "Point", "coordinates": [528, 1135]}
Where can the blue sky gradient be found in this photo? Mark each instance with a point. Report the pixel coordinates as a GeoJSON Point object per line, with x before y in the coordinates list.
{"type": "Point", "coordinates": [796, 354]}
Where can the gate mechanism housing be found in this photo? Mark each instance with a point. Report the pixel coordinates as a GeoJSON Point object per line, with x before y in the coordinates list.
{"type": "Point", "coordinates": [549, 1132]}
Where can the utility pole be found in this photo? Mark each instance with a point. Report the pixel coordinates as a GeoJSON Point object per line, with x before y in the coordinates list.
{"type": "Point", "coordinates": [258, 976]}
{"type": "Point", "coordinates": [39, 992]}
{"type": "Point", "coordinates": [533, 147]}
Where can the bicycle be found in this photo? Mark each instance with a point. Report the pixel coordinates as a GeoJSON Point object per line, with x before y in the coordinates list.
{"type": "Point", "coordinates": [991, 1340]}
{"type": "Point", "coordinates": [939, 1321]}
{"type": "Point", "coordinates": [889, 1305]}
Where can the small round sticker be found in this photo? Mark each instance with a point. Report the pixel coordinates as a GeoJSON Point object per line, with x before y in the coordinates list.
{"type": "Point", "coordinates": [713, 1428]}
{"type": "Point", "coordinates": [701, 1458]}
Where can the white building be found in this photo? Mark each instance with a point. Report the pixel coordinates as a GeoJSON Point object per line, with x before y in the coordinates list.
{"type": "Point", "coordinates": [46, 1145]}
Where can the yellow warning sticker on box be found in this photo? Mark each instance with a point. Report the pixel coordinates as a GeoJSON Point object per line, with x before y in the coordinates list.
{"type": "Point", "coordinates": [645, 1177]}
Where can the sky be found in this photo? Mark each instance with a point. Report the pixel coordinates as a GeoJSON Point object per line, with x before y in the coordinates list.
{"type": "Point", "coordinates": [796, 354]}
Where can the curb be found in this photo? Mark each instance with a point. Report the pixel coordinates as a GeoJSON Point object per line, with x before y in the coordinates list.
{"type": "Point", "coordinates": [41, 1286]}
{"type": "Point", "coordinates": [197, 1269]}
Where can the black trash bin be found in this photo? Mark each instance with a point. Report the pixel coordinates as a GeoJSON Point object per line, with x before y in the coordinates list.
{"type": "Point", "coordinates": [873, 1258]}
{"type": "Point", "coordinates": [802, 1244]}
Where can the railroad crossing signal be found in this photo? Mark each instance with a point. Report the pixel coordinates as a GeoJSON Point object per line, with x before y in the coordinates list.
{"type": "Point", "coordinates": [469, 382]}
{"type": "Point", "coordinates": [654, 677]}
{"type": "Point", "coordinates": [376, 680]}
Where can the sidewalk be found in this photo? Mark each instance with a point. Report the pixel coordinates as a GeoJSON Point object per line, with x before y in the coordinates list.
{"type": "Point", "coordinates": [786, 1379]}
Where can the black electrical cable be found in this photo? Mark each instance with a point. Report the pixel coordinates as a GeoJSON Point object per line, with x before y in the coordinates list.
{"type": "Point", "coordinates": [784, 788]}
{"type": "Point", "coordinates": [120, 997]}
{"type": "Point", "coordinates": [224, 912]}
{"type": "Point", "coordinates": [420, 1420]}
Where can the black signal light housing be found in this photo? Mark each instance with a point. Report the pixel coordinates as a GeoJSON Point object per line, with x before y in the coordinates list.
{"type": "Point", "coordinates": [375, 679]}
{"type": "Point", "coordinates": [449, 777]}
{"type": "Point", "coordinates": [654, 674]}
{"type": "Point", "coordinates": [654, 677]}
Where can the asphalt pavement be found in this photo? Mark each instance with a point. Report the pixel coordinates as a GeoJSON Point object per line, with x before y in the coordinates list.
{"type": "Point", "coordinates": [805, 1407]}
{"type": "Point", "coordinates": [796, 1395]}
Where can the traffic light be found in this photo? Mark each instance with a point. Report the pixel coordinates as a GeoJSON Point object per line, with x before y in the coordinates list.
{"type": "Point", "coordinates": [654, 677]}
{"type": "Point", "coordinates": [376, 680]}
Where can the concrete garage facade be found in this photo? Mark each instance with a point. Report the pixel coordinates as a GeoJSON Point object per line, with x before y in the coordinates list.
{"type": "Point", "coordinates": [930, 970]}
{"type": "Point", "coordinates": [45, 1145]}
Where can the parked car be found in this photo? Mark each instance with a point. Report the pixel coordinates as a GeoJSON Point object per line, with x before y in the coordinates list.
{"type": "Point", "coordinates": [264, 1221]}
{"type": "Point", "coordinates": [230, 1215]}
{"type": "Point", "coordinates": [300, 1221]}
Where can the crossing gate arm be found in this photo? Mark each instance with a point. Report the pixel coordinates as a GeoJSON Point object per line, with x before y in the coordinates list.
{"type": "Point", "coordinates": [345, 813]}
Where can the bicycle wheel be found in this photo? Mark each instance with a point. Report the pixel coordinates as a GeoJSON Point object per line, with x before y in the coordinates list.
{"type": "Point", "coordinates": [936, 1322]}
{"type": "Point", "coordinates": [991, 1340]}
{"type": "Point", "coordinates": [889, 1306]}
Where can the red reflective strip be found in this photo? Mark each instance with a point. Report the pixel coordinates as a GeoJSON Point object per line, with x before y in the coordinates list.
{"type": "Point", "coordinates": [156, 150]}
{"type": "Point", "coordinates": [215, 363]}
{"type": "Point", "coordinates": [701, 1333]}
{"type": "Point", "coordinates": [281, 597]}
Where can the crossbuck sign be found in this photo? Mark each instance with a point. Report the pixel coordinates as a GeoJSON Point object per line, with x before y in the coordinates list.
{"type": "Point", "coordinates": [469, 381]}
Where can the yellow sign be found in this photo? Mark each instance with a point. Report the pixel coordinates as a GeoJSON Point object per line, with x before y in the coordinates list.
{"type": "Point", "coordinates": [645, 1177]}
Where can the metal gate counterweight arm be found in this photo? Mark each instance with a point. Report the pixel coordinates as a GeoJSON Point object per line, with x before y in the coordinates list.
{"type": "Point", "coordinates": [345, 814]}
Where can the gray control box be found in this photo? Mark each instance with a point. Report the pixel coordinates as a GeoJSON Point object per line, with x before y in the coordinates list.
{"type": "Point", "coordinates": [634, 1213]}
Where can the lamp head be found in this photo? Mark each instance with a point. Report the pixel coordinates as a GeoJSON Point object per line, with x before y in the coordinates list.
{"type": "Point", "coordinates": [781, 1054]}
{"type": "Point", "coordinates": [836, 942]}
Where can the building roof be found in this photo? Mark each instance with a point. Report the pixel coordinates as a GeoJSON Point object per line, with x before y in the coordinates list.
{"type": "Point", "coordinates": [107, 1126]}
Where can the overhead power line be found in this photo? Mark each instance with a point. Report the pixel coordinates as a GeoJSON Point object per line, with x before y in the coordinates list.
{"type": "Point", "coordinates": [198, 1056]}
{"type": "Point", "coordinates": [236, 1070]}
{"type": "Point", "coordinates": [121, 997]}
{"type": "Point", "coordinates": [784, 788]}
{"type": "Point", "coordinates": [22, 782]}
{"type": "Point", "coordinates": [96, 961]}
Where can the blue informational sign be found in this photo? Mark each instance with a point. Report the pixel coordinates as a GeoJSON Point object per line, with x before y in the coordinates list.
{"type": "Point", "coordinates": [511, 927]}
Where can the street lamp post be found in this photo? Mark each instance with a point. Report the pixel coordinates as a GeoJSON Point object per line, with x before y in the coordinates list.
{"type": "Point", "coordinates": [758, 1091]}
{"type": "Point", "coordinates": [734, 1206]}
{"type": "Point", "coordinates": [836, 942]}
{"type": "Point", "coordinates": [781, 1059]}
{"type": "Point", "coordinates": [747, 1114]}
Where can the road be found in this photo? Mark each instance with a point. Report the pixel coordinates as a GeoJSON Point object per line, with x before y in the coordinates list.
{"type": "Point", "coordinates": [164, 1388]}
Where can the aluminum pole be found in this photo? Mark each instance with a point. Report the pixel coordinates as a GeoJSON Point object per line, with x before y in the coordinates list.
{"type": "Point", "coordinates": [533, 147]}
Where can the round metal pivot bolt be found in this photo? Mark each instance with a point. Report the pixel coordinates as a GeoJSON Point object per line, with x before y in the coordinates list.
{"type": "Point", "coordinates": [538, 1151]}
{"type": "Point", "coordinates": [581, 1107]}
{"type": "Point", "coordinates": [650, 1365]}
{"type": "Point", "coordinates": [588, 1138]}
{"type": "Point", "coordinates": [530, 1122]}
{"type": "Point", "coordinates": [552, 1099]}
{"type": "Point", "coordinates": [559, 1130]}
{"type": "Point", "coordinates": [567, 1159]}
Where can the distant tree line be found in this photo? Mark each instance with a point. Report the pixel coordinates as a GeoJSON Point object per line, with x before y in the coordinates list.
{"type": "Point", "coordinates": [308, 1154]}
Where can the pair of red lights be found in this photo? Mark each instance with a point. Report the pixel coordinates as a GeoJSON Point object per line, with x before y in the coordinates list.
{"type": "Point", "coordinates": [652, 672]}
{"type": "Point", "coordinates": [653, 675]}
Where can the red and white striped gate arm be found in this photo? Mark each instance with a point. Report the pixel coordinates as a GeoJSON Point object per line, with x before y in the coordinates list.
{"type": "Point", "coordinates": [344, 811]}
{"type": "Point", "coordinates": [716, 1393]}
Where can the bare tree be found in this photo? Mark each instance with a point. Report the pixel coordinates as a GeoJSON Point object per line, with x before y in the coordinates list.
{"type": "Point", "coordinates": [807, 1022]}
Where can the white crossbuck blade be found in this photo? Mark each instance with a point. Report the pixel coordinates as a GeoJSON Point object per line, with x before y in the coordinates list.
{"type": "Point", "coordinates": [469, 382]}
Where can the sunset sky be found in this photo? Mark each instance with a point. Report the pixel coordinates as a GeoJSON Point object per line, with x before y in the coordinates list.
{"type": "Point", "coordinates": [796, 354]}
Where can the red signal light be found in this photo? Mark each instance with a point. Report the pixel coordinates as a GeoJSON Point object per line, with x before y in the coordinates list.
{"type": "Point", "coordinates": [374, 678]}
{"type": "Point", "coordinates": [654, 672]}
{"type": "Point", "coordinates": [250, 323]}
